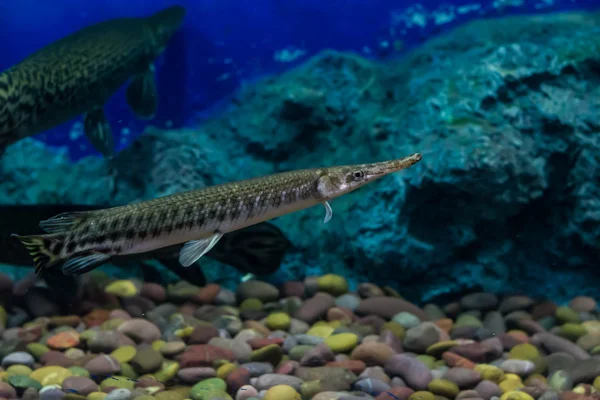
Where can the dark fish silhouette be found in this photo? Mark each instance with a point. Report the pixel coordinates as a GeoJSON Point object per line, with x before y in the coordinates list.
{"type": "Point", "coordinates": [257, 249]}
{"type": "Point", "coordinates": [79, 73]}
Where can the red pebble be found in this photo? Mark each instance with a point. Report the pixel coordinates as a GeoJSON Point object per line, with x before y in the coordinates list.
{"type": "Point", "coordinates": [96, 317]}
{"type": "Point", "coordinates": [402, 393]}
{"type": "Point", "coordinates": [154, 292]}
{"type": "Point", "coordinates": [356, 366]}
{"type": "Point", "coordinates": [577, 396]}
{"type": "Point", "coordinates": [293, 289]}
{"type": "Point", "coordinates": [509, 341]}
{"type": "Point", "coordinates": [454, 360]}
{"type": "Point", "coordinates": [203, 355]}
{"type": "Point", "coordinates": [236, 379]}
{"type": "Point", "coordinates": [287, 367]}
{"type": "Point", "coordinates": [188, 308]}
{"type": "Point", "coordinates": [340, 314]}
{"type": "Point", "coordinates": [58, 358]}
{"type": "Point", "coordinates": [31, 334]}
{"type": "Point", "coordinates": [207, 294]}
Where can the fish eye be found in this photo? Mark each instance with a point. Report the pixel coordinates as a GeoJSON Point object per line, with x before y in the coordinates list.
{"type": "Point", "coordinates": [358, 175]}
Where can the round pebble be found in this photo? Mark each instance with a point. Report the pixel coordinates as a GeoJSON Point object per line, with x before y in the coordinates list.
{"type": "Point", "coordinates": [315, 339]}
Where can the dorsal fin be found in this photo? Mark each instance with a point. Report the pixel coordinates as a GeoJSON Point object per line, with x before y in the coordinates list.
{"type": "Point", "coordinates": [63, 221]}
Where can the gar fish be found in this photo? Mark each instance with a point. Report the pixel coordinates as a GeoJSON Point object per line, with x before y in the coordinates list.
{"type": "Point", "coordinates": [258, 249]}
{"type": "Point", "coordinates": [82, 241]}
{"type": "Point", "coordinates": [80, 72]}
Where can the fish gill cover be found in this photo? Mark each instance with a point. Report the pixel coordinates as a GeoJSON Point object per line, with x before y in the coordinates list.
{"type": "Point", "coordinates": [503, 201]}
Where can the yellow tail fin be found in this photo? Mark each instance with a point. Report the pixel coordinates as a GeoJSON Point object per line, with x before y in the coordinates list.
{"type": "Point", "coordinates": [38, 247]}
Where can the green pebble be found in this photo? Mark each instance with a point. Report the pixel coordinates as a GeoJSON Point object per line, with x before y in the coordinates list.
{"type": "Point", "coordinates": [251, 304]}
{"type": "Point", "coordinates": [120, 382]}
{"type": "Point", "coordinates": [595, 350]}
{"type": "Point", "coordinates": [443, 387]}
{"type": "Point", "coordinates": [572, 331]}
{"type": "Point", "coordinates": [342, 342]}
{"type": "Point", "coordinates": [524, 351]}
{"type": "Point", "coordinates": [18, 369]}
{"type": "Point", "coordinates": [290, 305]}
{"type": "Point", "coordinates": [37, 349]}
{"type": "Point", "coordinates": [394, 327]}
{"type": "Point", "coordinates": [209, 389]}
{"type": "Point", "coordinates": [8, 347]}
{"type": "Point", "coordinates": [24, 382]}
{"type": "Point", "coordinates": [278, 321]}
{"type": "Point", "coordinates": [467, 320]}
{"type": "Point", "coordinates": [422, 395]}
{"type": "Point", "coordinates": [79, 371]}
{"type": "Point", "coordinates": [124, 353]}
{"type": "Point", "coordinates": [3, 316]}
{"type": "Point", "coordinates": [333, 284]}
{"type": "Point", "coordinates": [166, 395]}
{"type": "Point", "coordinates": [560, 381]}
{"type": "Point", "coordinates": [310, 389]}
{"type": "Point", "coordinates": [111, 324]}
{"type": "Point", "coordinates": [547, 322]}
{"type": "Point", "coordinates": [429, 361]}
{"type": "Point", "coordinates": [406, 319]}
{"type": "Point", "coordinates": [297, 352]}
{"type": "Point", "coordinates": [147, 360]}
{"type": "Point", "coordinates": [128, 371]}
{"type": "Point", "coordinates": [271, 353]}
{"type": "Point", "coordinates": [167, 371]}
{"type": "Point", "coordinates": [566, 314]}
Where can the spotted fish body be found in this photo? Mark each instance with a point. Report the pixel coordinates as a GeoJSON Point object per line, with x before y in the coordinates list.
{"type": "Point", "coordinates": [197, 218]}
{"type": "Point", "coordinates": [79, 73]}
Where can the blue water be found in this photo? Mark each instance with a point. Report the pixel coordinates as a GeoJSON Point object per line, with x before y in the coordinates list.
{"type": "Point", "coordinates": [225, 43]}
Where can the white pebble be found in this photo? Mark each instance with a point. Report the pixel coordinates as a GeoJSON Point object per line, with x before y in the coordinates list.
{"type": "Point", "coordinates": [245, 392]}
{"type": "Point", "coordinates": [118, 394]}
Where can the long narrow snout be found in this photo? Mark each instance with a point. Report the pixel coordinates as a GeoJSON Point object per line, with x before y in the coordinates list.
{"type": "Point", "coordinates": [383, 168]}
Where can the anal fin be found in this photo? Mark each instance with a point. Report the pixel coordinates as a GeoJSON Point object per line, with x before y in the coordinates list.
{"type": "Point", "coordinates": [194, 249]}
{"type": "Point", "coordinates": [98, 132]}
{"type": "Point", "coordinates": [85, 262]}
{"type": "Point", "coordinates": [142, 95]}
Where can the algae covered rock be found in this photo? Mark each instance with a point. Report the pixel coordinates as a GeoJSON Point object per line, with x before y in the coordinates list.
{"type": "Point", "coordinates": [505, 198]}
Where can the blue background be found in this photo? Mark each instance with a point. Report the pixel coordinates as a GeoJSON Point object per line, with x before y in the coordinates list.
{"type": "Point", "coordinates": [233, 37]}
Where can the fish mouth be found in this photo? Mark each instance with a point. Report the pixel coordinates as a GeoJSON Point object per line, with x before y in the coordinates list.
{"type": "Point", "coordinates": [391, 166]}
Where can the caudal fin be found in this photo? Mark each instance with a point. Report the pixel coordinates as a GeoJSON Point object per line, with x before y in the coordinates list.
{"type": "Point", "coordinates": [38, 247]}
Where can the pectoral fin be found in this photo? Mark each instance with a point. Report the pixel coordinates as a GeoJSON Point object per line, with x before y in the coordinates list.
{"type": "Point", "coordinates": [142, 95]}
{"type": "Point", "coordinates": [193, 250]}
{"type": "Point", "coordinates": [328, 212]}
{"type": "Point", "coordinates": [98, 132]}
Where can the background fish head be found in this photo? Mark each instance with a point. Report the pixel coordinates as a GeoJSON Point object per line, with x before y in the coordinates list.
{"type": "Point", "coordinates": [165, 23]}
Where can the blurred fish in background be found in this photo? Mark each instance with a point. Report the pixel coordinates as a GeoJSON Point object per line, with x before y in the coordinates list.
{"type": "Point", "coordinates": [79, 73]}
